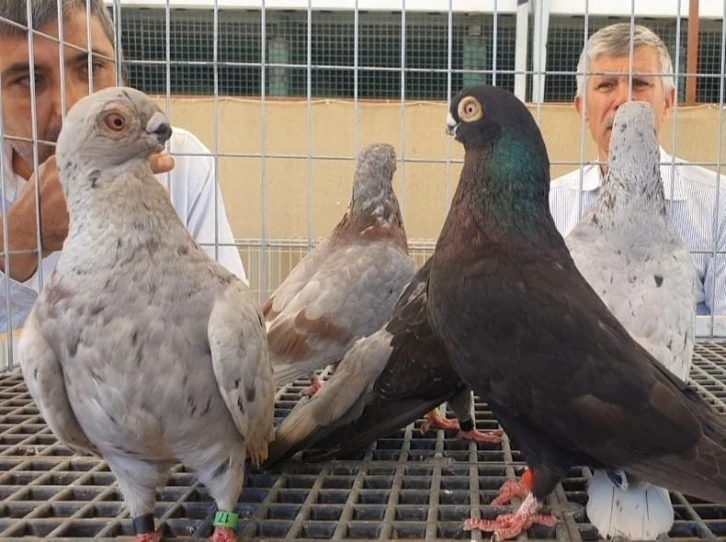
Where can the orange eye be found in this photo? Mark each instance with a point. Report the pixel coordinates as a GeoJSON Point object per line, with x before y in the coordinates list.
{"type": "Point", "coordinates": [115, 122]}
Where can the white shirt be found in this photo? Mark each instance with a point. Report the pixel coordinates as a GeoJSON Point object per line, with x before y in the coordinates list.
{"type": "Point", "coordinates": [192, 192]}
{"type": "Point", "coordinates": [690, 206]}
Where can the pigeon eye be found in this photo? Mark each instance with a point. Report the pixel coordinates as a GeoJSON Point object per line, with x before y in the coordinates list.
{"type": "Point", "coordinates": [115, 122]}
{"type": "Point", "coordinates": [470, 109]}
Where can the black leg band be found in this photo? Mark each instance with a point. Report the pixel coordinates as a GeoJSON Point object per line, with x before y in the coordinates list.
{"type": "Point", "coordinates": [143, 524]}
{"type": "Point", "coordinates": [466, 425]}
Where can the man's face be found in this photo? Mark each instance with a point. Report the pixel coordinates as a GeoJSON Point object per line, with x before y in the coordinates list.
{"type": "Point", "coordinates": [605, 93]}
{"type": "Point", "coordinates": [15, 69]}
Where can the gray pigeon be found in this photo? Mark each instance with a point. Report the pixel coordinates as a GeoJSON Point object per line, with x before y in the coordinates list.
{"type": "Point", "coordinates": [346, 287]}
{"type": "Point", "coordinates": [141, 349]}
{"type": "Point", "coordinates": [628, 251]}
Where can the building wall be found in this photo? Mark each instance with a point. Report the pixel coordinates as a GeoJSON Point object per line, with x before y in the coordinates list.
{"type": "Point", "coordinates": [424, 184]}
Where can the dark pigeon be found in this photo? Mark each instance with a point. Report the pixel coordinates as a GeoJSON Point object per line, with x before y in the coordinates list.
{"type": "Point", "coordinates": [525, 330]}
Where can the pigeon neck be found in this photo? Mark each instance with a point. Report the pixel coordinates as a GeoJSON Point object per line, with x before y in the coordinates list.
{"type": "Point", "coordinates": [632, 182]}
{"type": "Point", "coordinates": [500, 198]}
{"type": "Point", "coordinates": [108, 203]}
{"type": "Point", "coordinates": [375, 204]}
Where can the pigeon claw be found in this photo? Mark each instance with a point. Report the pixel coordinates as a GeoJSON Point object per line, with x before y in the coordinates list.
{"type": "Point", "coordinates": [492, 437]}
{"type": "Point", "coordinates": [148, 537]}
{"type": "Point", "coordinates": [434, 420]}
{"type": "Point", "coordinates": [223, 534]}
{"type": "Point", "coordinates": [509, 526]}
{"type": "Point", "coordinates": [514, 488]}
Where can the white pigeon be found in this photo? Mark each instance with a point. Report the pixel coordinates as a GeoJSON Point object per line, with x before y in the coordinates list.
{"type": "Point", "coordinates": [142, 349]}
{"type": "Point", "coordinates": [628, 251]}
{"type": "Point", "coordinates": [346, 287]}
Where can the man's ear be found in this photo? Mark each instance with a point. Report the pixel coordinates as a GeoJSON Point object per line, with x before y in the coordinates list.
{"type": "Point", "coordinates": [670, 100]}
{"type": "Point", "coordinates": [578, 105]}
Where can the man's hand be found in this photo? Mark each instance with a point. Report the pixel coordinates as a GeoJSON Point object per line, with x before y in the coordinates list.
{"type": "Point", "coordinates": [161, 163]}
{"type": "Point", "coordinates": [53, 211]}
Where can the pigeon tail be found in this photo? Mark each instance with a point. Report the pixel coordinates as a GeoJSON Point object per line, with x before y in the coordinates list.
{"type": "Point", "coordinates": [640, 512]}
{"type": "Point", "coordinates": [699, 472]}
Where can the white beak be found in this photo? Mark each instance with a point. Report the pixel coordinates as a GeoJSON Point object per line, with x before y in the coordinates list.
{"type": "Point", "coordinates": [451, 125]}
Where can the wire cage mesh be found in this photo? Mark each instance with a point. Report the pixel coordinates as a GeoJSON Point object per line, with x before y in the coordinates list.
{"type": "Point", "coordinates": [283, 94]}
{"type": "Point", "coordinates": [407, 485]}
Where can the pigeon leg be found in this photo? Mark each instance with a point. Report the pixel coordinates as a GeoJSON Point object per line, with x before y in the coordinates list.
{"type": "Point", "coordinates": [434, 420]}
{"type": "Point", "coordinates": [463, 406]}
{"type": "Point", "coordinates": [138, 481]}
{"type": "Point", "coordinates": [225, 482]}
{"type": "Point", "coordinates": [509, 526]}
{"type": "Point", "coordinates": [520, 488]}
{"type": "Point", "coordinates": [467, 431]}
{"type": "Point", "coordinates": [313, 388]}
{"type": "Point", "coordinates": [144, 529]}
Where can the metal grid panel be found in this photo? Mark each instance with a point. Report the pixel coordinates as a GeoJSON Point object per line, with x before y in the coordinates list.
{"type": "Point", "coordinates": [404, 486]}
{"type": "Point", "coordinates": [380, 42]}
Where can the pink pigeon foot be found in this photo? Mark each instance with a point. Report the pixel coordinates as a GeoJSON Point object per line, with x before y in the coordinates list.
{"type": "Point", "coordinates": [493, 437]}
{"type": "Point", "coordinates": [515, 488]}
{"type": "Point", "coordinates": [148, 537]}
{"type": "Point", "coordinates": [223, 534]}
{"type": "Point", "coordinates": [434, 420]}
{"type": "Point", "coordinates": [509, 526]}
{"type": "Point", "coordinates": [313, 388]}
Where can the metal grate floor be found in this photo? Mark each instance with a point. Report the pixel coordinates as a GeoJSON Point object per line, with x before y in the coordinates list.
{"type": "Point", "coordinates": [405, 486]}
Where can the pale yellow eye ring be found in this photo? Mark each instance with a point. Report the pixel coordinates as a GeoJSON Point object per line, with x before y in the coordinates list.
{"type": "Point", "coordinates": [470, 109]}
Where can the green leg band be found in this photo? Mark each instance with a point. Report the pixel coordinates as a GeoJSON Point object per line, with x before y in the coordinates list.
{"type": "Point", "coordinates": [225, 519]}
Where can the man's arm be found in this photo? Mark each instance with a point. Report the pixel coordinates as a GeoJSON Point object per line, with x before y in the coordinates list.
{"type": "Point", "coordinates": [22, 250]}
{"type": "Point", "coordinates": [16, 297]}
{"type": "Point", "coordinates": [22, 222]}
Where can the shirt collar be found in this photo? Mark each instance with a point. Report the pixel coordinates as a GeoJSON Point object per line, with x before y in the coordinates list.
{"type": "Point", "coordinates": [592, 177]}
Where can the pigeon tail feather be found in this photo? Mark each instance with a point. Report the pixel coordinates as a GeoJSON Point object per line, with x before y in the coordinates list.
{"type": "Point", "coordinates": [641, 512]}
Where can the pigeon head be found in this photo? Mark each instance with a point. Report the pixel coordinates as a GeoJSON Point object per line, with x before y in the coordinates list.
{"type": "Point", "coordinates": [373, 198]}
{"type": "Point", "coordinates": [505, 160]}
{"type": "Point", "coordinates": [374, 169]}
{"type": "Point", "coordinates": [108, 128]}
{"type": "Point", "coordinates": [482, 116]}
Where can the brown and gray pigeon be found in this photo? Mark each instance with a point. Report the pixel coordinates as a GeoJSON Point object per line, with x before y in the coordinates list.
{"type": "Point", "coordinates": [346, 287]}
{"type": "Point", "coordinates": [141, 348]}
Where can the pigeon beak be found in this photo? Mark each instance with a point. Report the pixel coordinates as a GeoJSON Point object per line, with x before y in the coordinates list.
{"type": "Point", "coordinates": [451, 125]}
{"type": "Point", "coordinates": [159, 128]}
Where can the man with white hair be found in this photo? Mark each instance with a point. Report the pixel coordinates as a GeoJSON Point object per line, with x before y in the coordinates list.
{"type": "Point", "coordinates": [58, 77]}
{"type": "Point", "coordinates": [690, 190]}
